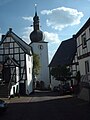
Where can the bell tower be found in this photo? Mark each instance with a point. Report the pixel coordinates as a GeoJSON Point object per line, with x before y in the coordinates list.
{"type": "Point", "coordinates": [40, 47]}
{"type": "Point", "coordinates": [37, 35]}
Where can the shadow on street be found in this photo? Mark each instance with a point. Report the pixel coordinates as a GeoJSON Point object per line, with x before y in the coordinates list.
{"type": "Point", "coordinates": [68, 108]}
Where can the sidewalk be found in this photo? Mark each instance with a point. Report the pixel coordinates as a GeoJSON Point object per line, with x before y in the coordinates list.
{"type": "Point", "coordinates": [21, 99]}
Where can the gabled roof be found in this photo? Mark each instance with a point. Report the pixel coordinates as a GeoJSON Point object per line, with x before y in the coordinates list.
{"type": "Point", "coordinates": [23, 45]}
{"type": "Point", "coordinates": [65, 53]}
{"type": "Point", "coordinates": [84, 27]}
{"type": "Point", "coordinates": [11, 60]}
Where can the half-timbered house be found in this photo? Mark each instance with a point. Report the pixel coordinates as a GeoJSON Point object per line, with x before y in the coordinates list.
{"type": "Point", "coordinates": [66, 55]}
{"type": "Point", "coordinates": [83, 51]}
{"type": "Point", "coordinates": [16, 63]}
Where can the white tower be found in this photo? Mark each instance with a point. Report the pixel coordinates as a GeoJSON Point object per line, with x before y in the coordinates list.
{"type": "Point", "coordinates": [40, 47]}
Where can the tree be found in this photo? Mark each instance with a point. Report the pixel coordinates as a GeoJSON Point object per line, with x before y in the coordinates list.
{"type": "Point", "coordinates": [36, 64]}
{"type": "Point", "coordinates": [61, 73]}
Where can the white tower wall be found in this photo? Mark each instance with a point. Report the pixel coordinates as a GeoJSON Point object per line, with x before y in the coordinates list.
{"type": "Point", "coordinates": [41, 49]}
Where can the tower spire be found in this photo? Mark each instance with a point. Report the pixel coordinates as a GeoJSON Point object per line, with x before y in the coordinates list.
{"type": "Point", "coordinates": [35, 9]}
{"type": "Point", "coordinates": [36, 19]}
{"type": "Point", "coordinates": [37, 34]}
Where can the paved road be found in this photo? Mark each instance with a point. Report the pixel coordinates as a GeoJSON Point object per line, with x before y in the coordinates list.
{"type": "Point", "coordinates": [47, 106]}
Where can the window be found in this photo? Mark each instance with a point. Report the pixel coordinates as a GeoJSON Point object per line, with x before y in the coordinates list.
{"type": "Point", "coordinates": [16, 56]}
{"type": "Point", "coordinates": [6, 51]}
{"type": "Point", "coordinates": [87, 67]}
{"type": "Point", "coordinates": [11, 45]}
{"type": "Point", "coordinates": [29, 70]}
{"type": "Point", "coordinates": [83, 37]}
{"type": "Point", "coordinates": [16, 50]}
{"type": "Point", "coordinates": [11, 51]}
{"type": "Point", "coordinates": [40, 47]}
{"type": "Point", "coordinates": [22, 57]}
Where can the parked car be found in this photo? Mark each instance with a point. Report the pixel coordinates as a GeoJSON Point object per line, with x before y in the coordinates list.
{"type": "Point", "coordinates": [3, 106]}
{"type": "Point", "coordinates": [63, 89]}
{"type": "Point", "coordinates": [56, 89]}
{"type": "Point", "coordinates": [67, 89]}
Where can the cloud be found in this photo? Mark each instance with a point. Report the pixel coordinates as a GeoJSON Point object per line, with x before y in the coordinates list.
{"type": "Point", "coordinates": [53, 43]}
{"type": "Point", "coordinates": [51, 54]}
{"type": "Point", "coordinates": [26, 34]}
{"type": "Point", "coordinates": [0, 36]}
{"type": "Point", "coordinates": [62, 17]}
{"type": "Point", "coordinates": [28, 18]}
{"type": "Point", "coordinates": [51, 37]}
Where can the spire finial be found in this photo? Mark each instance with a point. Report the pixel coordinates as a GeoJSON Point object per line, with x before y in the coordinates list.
{"type": "Point", "coordinates": [36, 9]}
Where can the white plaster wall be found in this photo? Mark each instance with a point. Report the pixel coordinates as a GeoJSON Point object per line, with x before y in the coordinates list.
{"type": "Point", "coordinates": [17, 84]}
{"type": "Point", "coordinates": [82, 65]}
{"type": "Point", "coordinates": [88, 45]}
{"type": "Point", "coordinates": [14, 86]}
{"type": "Point", "coordinates": [29, 81]}
{"type": "Point", "coordinates": [54, 83]}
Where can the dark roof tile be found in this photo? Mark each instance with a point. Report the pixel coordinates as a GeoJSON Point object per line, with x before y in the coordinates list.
{"type": "Point", "coordinates": [65, 53]}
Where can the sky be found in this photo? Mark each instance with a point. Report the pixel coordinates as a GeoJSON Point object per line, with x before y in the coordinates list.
{"type": "Point", "coordinates": [59, 19]}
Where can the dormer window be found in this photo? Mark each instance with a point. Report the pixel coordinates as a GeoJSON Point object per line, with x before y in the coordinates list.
{"type": "Point", "coordinates": [84, 43]}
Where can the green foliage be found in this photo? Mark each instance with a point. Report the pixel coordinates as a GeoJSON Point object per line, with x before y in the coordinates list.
{"type": "Point", "coordinates": [36, 64]}
{"type": "Point", "coordinates": [60, 72]}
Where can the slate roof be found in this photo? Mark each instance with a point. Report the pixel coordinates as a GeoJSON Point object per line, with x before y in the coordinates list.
{"type": "Point", "coordinates": [65, 53]}
{"type": "Point", "coordinates": [23, 45]}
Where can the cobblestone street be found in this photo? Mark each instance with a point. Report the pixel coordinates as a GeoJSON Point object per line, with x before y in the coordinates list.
{"type": "Point", "coordinates": [46, 106]}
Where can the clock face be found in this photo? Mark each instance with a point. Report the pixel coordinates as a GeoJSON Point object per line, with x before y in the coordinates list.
{"type": "Point", "coordinates": [40, 47]}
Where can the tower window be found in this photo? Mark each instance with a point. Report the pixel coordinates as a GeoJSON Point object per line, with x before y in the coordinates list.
{"type": "Point", "coordinates": [40, 47]}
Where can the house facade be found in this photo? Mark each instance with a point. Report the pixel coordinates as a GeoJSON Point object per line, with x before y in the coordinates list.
{"type": "Point", "coordinates": [66, 55]}
{"type": "Point", "coordinates": [16, 64]}
{"type": "Point", "coordinates": [83, 52]}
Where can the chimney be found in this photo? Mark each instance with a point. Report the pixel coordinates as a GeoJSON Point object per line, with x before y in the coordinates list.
{"type": "Point", "coordinates": [2, 37]}
{"type": "Point", "coordinates": [74, 36]}
{"type": "Point", "coordinates": [10, 29]}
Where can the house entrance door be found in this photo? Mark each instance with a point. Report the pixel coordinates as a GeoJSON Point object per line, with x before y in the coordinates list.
{"type": "Point", "coordinates": [6, 74]}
